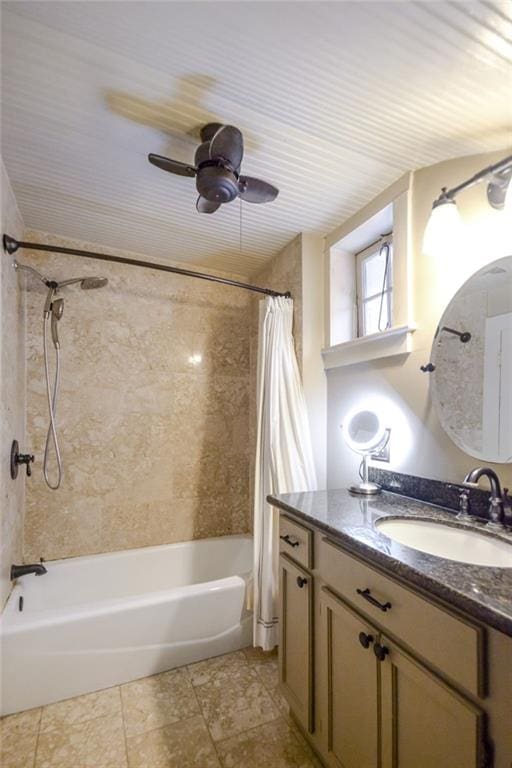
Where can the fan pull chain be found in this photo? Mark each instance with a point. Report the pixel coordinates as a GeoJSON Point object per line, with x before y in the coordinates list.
{"type": "Point", "coordinates": [241, 241]}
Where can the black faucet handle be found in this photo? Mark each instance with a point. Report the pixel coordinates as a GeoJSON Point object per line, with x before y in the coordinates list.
{"type": "Point", "coordinates": [18, 458]}
{"type": "Point", "coordinates": [27, 459]}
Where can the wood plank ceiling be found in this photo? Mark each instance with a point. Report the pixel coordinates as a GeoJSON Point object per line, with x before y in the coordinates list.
{"type": "Point", "coordinates": [335, 101]}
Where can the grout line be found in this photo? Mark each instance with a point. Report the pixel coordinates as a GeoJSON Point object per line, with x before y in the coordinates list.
{"type": "Point", "coordinates": [166, 725]}
{"type": "Point", "coordinates": [123, 726]}
{"type": "Point", "coordinates": [252, 728]}
{"type": "Point", "coordinates": [37, 738]}
{"type": "Point", "coordinates": [60, 726]}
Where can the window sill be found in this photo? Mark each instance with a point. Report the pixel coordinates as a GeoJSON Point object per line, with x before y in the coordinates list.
{"type": "Point", "coordinates": [395, 341]}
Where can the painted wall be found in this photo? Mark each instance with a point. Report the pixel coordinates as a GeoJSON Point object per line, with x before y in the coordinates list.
{"type": "Point", "coordinates": [12, 393]}
{"type": "Point", "coordinates": [153, 411]}
{"type": "Point", "coordinates": [395, 386]}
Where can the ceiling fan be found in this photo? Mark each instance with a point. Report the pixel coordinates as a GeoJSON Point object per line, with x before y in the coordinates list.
{"type": "Point", "coordinates": [217, 170]}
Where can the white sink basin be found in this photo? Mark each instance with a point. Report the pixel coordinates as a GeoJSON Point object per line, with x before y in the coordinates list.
{"type": "Point", "coordinates": [461, 544]}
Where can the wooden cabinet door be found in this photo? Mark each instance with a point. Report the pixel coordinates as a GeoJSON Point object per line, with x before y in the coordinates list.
{"type": "Point", "coordinates": [348, 686]}
{"type": "Point", "coordinates": [296, 640]}
{"type": "Point", "coordinates": [425, 722]}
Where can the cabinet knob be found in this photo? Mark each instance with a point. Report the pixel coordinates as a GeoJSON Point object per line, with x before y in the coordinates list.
{"type": "Point", "coordinates": [365, 640]}
{"type": "Point", "coordinates": [380, 651]}
{"type": "Point", "coordinates": [301, 581]}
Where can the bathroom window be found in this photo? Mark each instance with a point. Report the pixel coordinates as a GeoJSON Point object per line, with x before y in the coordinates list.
{"type": "Point", "coordinates": [374, 277]}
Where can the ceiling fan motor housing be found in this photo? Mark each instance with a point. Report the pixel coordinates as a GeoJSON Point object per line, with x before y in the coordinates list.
{"type": "Point", "coordinates": [217, 184]}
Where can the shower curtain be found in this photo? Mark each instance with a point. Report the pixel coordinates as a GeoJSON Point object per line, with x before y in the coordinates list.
{"type": "Point", "coordinates": [284, 457]}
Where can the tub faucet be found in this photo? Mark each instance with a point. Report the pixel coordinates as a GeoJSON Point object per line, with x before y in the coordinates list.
{"type": "Point", "coordinates": [22, 570]}
{"type": "Point", "coordinates": [496, 500]}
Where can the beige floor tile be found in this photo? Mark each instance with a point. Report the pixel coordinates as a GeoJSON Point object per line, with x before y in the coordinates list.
{"type": "Point", "coordinates": [280, 702]}
{"type": "Point", "coordinates": [267, 668]}
{"type": "Point", "coordinates": [232, 704]}
{"type": "Point", "coordinates": [81, 708]}
{"type": "Point", "coordinates": [18, 739]}
{"type": "Point", "coordinates": [217, 668]}
{"type": "Point", "coordinates": [259, 655]}
{"type": "Point", "coordinates": [96, 743]}
{"type": "Point", "coordinates": [157, 701]}
{"type": "Point", "coordinates": [302, 741]}
{"type": "Point", "coordinates": [268, 672]}
{"type": "Point", "coordinates": [273, 745]}
{"type": "Point", "coordinates": [186, 744]}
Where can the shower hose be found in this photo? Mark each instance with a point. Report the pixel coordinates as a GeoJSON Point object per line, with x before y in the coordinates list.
{"type": "Point", "coordinates": [51, 435]}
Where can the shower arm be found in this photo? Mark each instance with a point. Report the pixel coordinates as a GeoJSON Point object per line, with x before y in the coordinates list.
{"type": "Point", "coordinates": [11, 245]}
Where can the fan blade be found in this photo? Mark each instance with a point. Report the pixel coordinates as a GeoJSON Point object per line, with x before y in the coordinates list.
{"type": "Point", "coordinates": [228, 144]}
{"type": "Point", "coordinates": [206, 206]}
{"type": "Point", "coordinates": [173, 166]}
{"type": "Point", "coordinates": [256, 190]}
{"type": "Point", "coordinates": [202, 153]}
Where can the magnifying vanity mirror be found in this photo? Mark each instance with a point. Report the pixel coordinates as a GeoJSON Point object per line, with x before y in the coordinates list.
{"type": "Point", "coordinates": [472, 359]}
{"type": "Point", "coordinates": [365, 434]}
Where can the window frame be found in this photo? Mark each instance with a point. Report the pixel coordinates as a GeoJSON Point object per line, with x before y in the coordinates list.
{"type": "Point", "coordinates": [360, 257]}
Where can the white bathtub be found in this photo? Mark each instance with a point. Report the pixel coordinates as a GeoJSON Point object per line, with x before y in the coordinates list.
{"type": "Point", "coordinates": [93, 622]}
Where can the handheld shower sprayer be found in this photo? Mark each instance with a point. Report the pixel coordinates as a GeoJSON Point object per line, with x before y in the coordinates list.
{"type": "Point", "coordinates": [57, 312]}
{"type": "Point", "coordinates": [53, 310]}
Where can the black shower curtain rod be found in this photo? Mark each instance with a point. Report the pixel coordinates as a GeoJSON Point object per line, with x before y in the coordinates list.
{"type": "Point", "coordinates": [11, 245]}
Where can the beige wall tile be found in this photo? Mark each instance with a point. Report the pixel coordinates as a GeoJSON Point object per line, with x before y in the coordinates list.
{"type": "Point", "coordinates": [12, 392]}
{"type": "Point", "coordinates": [156, 448]}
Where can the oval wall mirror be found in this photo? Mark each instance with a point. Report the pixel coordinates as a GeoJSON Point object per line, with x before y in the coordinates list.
{"type": "Point", "coordinates": [472, 355]}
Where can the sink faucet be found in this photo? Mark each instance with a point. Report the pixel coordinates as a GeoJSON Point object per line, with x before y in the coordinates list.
{"type": "Point", "coordinates": [496, 500]}
{"type": "Point", "coordinates": [22, 570]}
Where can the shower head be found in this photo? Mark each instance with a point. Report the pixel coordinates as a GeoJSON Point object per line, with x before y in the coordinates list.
{"type": "Point", "coordinates": [86, 283]}
{"type": "Point", "coordinates": [89, 283]}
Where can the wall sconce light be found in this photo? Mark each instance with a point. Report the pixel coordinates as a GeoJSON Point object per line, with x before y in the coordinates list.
{"type": "Point", "coordinates": [445, 231]}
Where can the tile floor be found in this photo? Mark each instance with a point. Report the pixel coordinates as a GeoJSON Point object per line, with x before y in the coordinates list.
{"type": "Point", "coordinates": [224, 712]}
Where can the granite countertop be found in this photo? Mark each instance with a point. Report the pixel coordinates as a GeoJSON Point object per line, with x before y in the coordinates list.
{"type": "Point", "coordinates": [479, 591]}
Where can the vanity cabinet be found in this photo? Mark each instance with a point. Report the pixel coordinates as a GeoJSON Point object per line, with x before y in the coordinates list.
{"type": "Point", "coordinates": [296, 640]}
{"type": "Point", "coordinates": [384, 708]}
{"type": "Point", "coordinates": [424, 720]}
{"type": "Point", "coordinates": [348, 685]}
{"type": "Point", "coordinates": [378, 674]}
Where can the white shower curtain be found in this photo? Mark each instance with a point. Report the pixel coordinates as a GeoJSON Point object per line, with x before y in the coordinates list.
{"type": "Point", "coordinates": [284, 457]}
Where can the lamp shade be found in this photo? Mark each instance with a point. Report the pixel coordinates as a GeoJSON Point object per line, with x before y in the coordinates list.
{"type": "Point", "coordinates": [444, 233]}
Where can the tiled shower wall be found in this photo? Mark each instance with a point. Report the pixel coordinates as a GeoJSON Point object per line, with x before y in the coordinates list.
{"type": "Point", "coordinates": [12, 393]}
{"type": "Point", "coordinates": [153, 411]}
